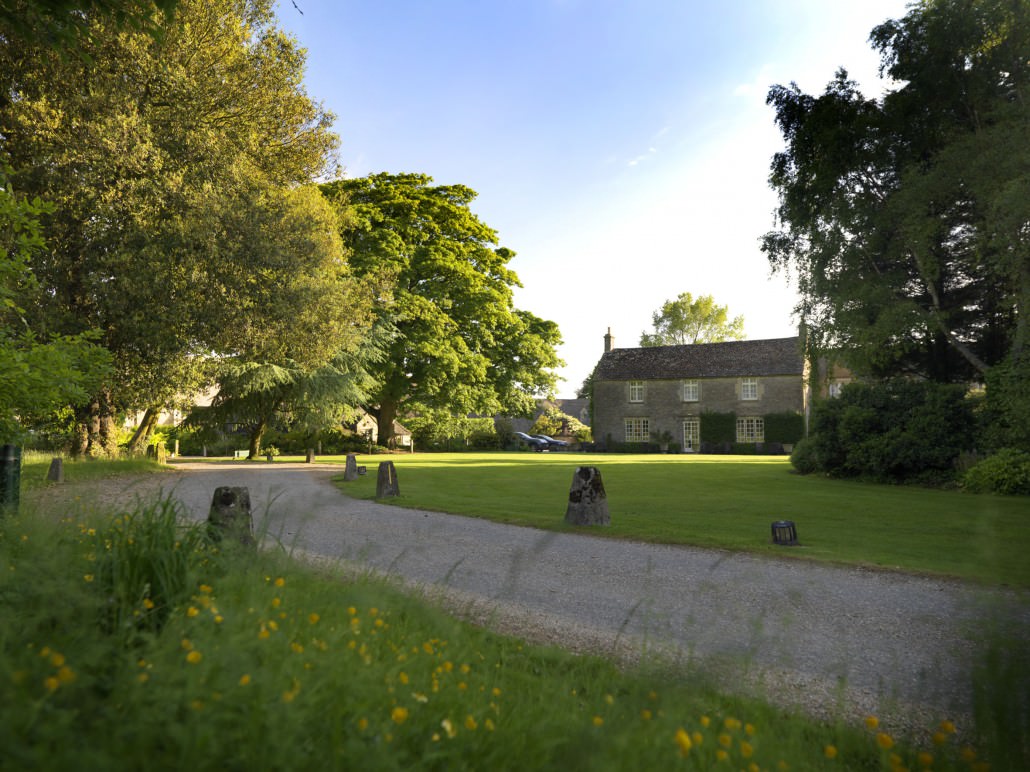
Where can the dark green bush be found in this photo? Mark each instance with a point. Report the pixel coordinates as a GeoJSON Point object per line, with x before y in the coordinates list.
{"type": "Point", "coordinates": [804, 458]}
{"type": "Point", "coordinates": [1007, 472]}
{"type": "Point", "coordinates": [897, 431]}
{"type": "Point", "coordinates": [785, 428]}
{"type": "Point", "coordinates": [718, 427]}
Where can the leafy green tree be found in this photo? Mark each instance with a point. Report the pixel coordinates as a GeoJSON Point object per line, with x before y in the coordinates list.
{"type": "Point", "coordinates": [182, 226]}
{"type": "Point", "coordinates": [461, 345]}
{"type": "Point", "coordinates": [553, 422]}
{"type": "Point", "coordinates": [904, 218]}
{"type": "Point", "coordinates": [686, 320]}
{"type": "Point", "coordinates": [37, 376]}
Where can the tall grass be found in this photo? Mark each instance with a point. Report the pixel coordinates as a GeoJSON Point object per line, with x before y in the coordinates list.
{"type": "Point", "coordinates": [224, 658]}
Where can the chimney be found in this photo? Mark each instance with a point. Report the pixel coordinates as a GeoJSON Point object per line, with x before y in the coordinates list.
{"type": "Point", "coordinates": [609, 341]}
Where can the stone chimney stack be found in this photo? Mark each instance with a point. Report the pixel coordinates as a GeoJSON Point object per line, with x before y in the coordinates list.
{"type": "Point", "coordinates": [609, 341]}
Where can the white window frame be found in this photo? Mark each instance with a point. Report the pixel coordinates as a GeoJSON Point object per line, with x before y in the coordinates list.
{"type": "Point", "coordinates": [834, 389]}
{"type": "Point", "coordinates": [636, 391]}
{"type": "Point", "coordinates": [691, 390]}
{"type": "Point", "coordinates": [749, 389]}
{"type": "Point", "coordinates": [750, 429]}
{"type": "Point", "coordinates": [637, 429]}
{"type": "Point", "coordinates": [691, 434]}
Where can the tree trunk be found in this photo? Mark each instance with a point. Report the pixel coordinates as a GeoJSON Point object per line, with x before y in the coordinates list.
{"type": "Point", "coordinates": [255, 438]}
{"type": "Point", "coordinates": [387, 414]}
{"type": "Point", "coordinates": [140, 438]}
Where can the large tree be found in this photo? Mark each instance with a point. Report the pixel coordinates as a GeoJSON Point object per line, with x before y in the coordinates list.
{"type": "Point", "coordinates": [461, 345]}
{"type": "Point", "coordinates": [686, 320]}
{"type": "Point", "coordinates": [905, 219]}
{"type": "Point", "coordinates": [182, 226]}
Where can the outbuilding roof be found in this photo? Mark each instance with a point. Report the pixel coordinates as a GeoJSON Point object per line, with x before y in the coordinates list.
{"type": "Point", "coordinates": [732, 359]}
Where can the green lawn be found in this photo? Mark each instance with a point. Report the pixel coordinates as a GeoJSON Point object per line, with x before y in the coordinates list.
{"type": "Point", "coordinates": [730, 502]}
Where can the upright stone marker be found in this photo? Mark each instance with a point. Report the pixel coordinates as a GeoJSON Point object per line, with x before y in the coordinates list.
{"type": "Point", "coordinates": [10, 477]}
{"type": "Point", "coordinates": [230, 515]}
{"type": "Point", "coordinates": [386, 483]}
{"type": "Point", "coordinates": [56, 471]}
{"type": "Point", "coordinates": [350, 472]}
{"type": "Point", "coordinates": [588, 503]}
{"type": "Point", "coordinates": [311, 456]}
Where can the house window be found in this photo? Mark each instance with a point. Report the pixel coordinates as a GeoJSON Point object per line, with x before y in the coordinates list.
{"type": "Point", "coordinates": [638, 429]}
{"type": "Point", "coordinates": [835, 389]}
{"type": "Point", "coordinates": [750, 430]}
{"type": "Point", "coordinates": [749, 388]}
{"type": "Point", "coordinates": [691, 434]}
{"type": "Point", "coordinates": [636, 391]}
{"type": "Point", "coordinates": [691, 391]}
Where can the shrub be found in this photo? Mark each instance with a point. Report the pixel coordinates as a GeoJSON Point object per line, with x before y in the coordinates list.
{"type": "Point", "coordinates": [784, 428]}
{"type": "Point", "coordinates": [805, 459]}
{"type": "Point", "coordinates": [1007, 472]}
{"type": "Point", "coordinates": [897, 431]}
{"type": "Point", "coordinates": [718, 427]}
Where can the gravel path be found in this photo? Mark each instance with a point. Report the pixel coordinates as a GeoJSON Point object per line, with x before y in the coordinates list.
{"type": "Point", "coordinates": [837, 642]}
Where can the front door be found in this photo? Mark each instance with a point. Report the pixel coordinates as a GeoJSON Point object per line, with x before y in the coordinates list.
{"type": "Point", "coordinates": [691, 434]}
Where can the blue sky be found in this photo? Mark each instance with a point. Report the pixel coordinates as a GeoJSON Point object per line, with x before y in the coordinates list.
{"type": "Point", "coordinates": [621, 149]}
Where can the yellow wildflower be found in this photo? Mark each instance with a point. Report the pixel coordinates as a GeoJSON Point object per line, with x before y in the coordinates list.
{"type": "Point", "coordinates": [705, 721]}
{"type": "Point", "coordinates": [51, 683]}
{"type": "Point", "coordinates": [925, 759]}
{"type": "Point", "coordinates": [65, 675]}
{"type": "Point", "coordinates": [698, 738]}
{"type": "Point", "coordinates": [402, 677]}
{"type": "Point", "coordinates": [206, 589]}
{"type": "Point", "coordinates": [939, 738]}
{"type": "Point", "coordinates": [948, 727]}
{"type": "Point", "coordinates": [725, 740]}
{"type": "Point", "coordinates": [746, 750]}
{"type": "Point", "coordinates": [598, 721]}
{"type": "Point", "coordinates": [721, 755]}
{"type": "Point", "coordinates": [313, 618]}
{"type": "Point", "coordinates": [645, 714]}
{"type": "Point", "coordinates": [362, 724]}
{"type": "Point", "coordinates": [194, 657]}
{"type": "Point", "coordinates": [244, 679]}
{"type": "Point", "coordinates": [399, 715]}
{"type": "Point", "coordinates": [192, 611]}
{"type": "Point", "coordinates": [88, 577]}
{"type": "Point", "coordinates": [56, 659]}
{"type": "Point", "coordinates": [884, 741]}
{"type": "Point", "coordinates": [872, 722]}
{"type": "Point", "coordinates": [830, 751]}
{"type": "Point", "coordinates": [470, 723]}
{"type": "Point", "coordinates": [488, 725]}
{"type": "Point", "coordinates": [749, 729]}
{"type": "Point", "coordinates": [279, 582]}
{"type": "Point", "coordinates": [683, 741]}
{"type": "Point", "coordinates": [148, 604]}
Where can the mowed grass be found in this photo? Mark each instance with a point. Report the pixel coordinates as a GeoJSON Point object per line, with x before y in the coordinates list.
{"type": "Point", "coordinates": [729, 502]}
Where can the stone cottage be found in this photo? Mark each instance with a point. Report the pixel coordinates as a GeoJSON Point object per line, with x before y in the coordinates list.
{"type": "Point", "coordinates": [663, 394]}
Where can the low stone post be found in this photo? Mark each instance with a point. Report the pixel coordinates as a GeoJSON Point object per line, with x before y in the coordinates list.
{"type": "Point", "coordinates": [311, 456]}
{"type": "Point", "coordinates": [588, 502]}
{"type": "Point", "coordinates": [350, 471]}
{"type": "Point", "coordinates": [230, 515]}
{"type": "Point", "coordinates": [386, 483]}
{"type": "Point", "coordinates": [56, 471]}
{"type": "Point", "coordinates": [10, 478]}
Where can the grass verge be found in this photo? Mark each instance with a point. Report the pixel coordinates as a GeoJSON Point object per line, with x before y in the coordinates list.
{"type": "Point", "coordinates": [36, 464]}
{"type": "Point", "coordinates": [133, 642]}
{"type": "Point", "coordinates": [729, 502]}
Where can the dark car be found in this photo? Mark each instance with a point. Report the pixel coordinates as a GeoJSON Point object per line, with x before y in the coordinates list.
{"type": "Point", "coordinates": [551, 442]}
{"type": "Point", "coordinates": [535, 443]}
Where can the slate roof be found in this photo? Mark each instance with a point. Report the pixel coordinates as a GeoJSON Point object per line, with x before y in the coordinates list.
{"type": "Point", "coordinates": [732, 359]}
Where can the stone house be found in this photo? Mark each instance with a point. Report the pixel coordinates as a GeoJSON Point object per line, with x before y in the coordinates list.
{"type": "Point", "coordinates": [662, 394]}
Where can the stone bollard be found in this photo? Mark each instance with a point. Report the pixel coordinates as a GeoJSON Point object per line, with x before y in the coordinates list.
{"type": "Point", "coordinates": [350, 472]}
{"type": "Point", "coordinates": [230, 515]}
{"type": "Point", "coordinates": [386, 483]}
{"type": "Point", "coordinates": [588, 503]}
{"type": "Point", "coordinates": [10, 477]}
{"type": "Point", "coordinates": [311, 456]}
{"type": "Point", "coordinates": [56, 471]}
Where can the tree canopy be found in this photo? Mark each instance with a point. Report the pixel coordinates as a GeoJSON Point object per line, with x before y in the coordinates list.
{"type": "Point", "coordinates": [686, 320]}
{"type": "Point", "coordinates": [461, 345]}
{"type": "Point", "coordinates": [905, 219]}
{"type": "Point", "coordinates": [183, 222]}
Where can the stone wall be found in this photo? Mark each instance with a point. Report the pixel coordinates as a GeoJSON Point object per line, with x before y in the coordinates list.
{"type": "Point", "coordinates": [663, 403]}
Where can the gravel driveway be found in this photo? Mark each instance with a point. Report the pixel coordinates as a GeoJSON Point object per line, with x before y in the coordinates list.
{"type": "Point", "coordinates": [838, 642]}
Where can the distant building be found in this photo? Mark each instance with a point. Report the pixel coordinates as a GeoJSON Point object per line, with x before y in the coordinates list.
{"type": "Point", "coordinates": [643, 393]}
